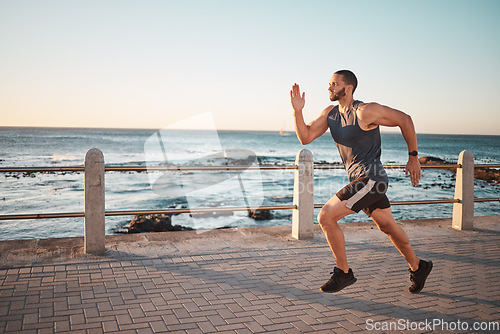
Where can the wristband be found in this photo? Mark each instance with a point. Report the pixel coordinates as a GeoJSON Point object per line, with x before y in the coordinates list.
{"type": "Point", "coordinates": [413, 153]}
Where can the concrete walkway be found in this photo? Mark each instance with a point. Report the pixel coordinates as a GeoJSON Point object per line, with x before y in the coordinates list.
{"type": "Point", "coordinates": [253, 280]}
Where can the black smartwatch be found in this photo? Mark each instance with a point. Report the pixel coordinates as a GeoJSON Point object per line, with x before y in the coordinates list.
{"type": "Point", "coordinates": [413, 153]}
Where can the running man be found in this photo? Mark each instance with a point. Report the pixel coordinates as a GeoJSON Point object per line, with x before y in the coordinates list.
{"type": "Point", "coordinates": [354, 126]}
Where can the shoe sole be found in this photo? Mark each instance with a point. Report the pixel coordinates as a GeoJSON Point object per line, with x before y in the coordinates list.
{"type": "Point", "coordinates": [425, 279]}
{"type": "Point", "coordinates": [351, 282]}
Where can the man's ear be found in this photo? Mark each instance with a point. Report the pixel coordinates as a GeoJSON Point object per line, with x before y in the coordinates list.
{"type": "Point", "coordinates": [349, 89]}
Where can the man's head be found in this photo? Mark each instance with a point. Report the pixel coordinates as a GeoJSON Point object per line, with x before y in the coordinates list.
{"type": "Point", "coordinates": [342, 82]}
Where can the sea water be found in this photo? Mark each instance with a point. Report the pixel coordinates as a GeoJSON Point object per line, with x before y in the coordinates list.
{"type": "Point", "coordinates": [53, 192]}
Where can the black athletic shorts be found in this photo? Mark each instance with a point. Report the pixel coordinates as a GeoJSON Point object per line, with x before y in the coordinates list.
{"type": "Point", "coordinates": [365, 194]}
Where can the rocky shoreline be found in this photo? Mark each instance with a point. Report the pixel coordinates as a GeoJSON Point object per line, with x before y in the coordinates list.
{"type": "Point", "coordinates": [163, 222]}
{"type": "Point", "coordinates": [481, 173]}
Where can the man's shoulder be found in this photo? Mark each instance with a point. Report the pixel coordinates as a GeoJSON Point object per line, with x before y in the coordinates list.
{"type": "Point", "coordinates": [369, 104]}
{"type": "Point", "coordinates": [368, 114]}
{"type": "Point", "coordinates": [328, 110]}
{"type": "Point", "coordinates": [367, 108]}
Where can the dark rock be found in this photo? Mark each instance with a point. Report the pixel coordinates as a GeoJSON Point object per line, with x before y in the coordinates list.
{"type": "Point", "coordinates": [154, 223]}
{"type": "Point", "coordinates": [260, 214]}
{"type": "Point", "coordinates": [432, 160]}
{"type": "Point", "coordinates": [482, 173]}
{"type": "Point", "coordinates": [436, 161]}
{"type": "Point", "coordinates": [487, 174]}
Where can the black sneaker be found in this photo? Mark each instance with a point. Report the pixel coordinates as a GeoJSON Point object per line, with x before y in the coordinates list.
{"type": "Point", "coordinates": [419, 276]}
{"type": "Point", "coordinates": [339, 280]}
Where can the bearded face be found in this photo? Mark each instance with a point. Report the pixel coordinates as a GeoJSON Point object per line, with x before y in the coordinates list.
{"type": "Point", "coordinates": [336, 96]}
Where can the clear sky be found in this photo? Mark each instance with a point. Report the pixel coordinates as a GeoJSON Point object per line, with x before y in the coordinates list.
{"type": "Point", "coordinates": [148, 64]}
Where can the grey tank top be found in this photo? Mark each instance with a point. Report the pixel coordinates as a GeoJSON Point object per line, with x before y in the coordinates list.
{"type": "Point", "coordinates": [360, 150]}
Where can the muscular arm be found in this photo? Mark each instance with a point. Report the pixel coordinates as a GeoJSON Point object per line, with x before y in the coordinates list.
{"type": "Point", "coordinates": [307, 132]}
{"type": "Point", "coordinates": [372, 115]}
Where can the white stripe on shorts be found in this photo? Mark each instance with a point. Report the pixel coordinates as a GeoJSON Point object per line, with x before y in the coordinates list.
{"type": "Point", "coordinates": [360, 194]}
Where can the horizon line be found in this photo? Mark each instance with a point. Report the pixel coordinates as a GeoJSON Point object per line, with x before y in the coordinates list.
{"type": "Point", "coordinates": [383, 130]}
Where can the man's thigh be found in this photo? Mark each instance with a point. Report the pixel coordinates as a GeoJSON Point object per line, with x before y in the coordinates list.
{"type": "Point", "coordinates": [335, 208]}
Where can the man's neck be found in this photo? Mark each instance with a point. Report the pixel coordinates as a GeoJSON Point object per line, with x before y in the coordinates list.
{"type": "Point", "coordinates": [345, 103]}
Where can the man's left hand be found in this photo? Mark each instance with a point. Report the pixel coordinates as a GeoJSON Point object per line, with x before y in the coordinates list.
{"type": "Point", "coordinates": [413, 169]}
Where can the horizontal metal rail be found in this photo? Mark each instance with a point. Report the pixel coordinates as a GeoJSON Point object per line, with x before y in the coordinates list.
{"type": "Point", "coordinates": [200, 210]}
{"type": "Point", "coordinates": [430, 166]}
{"type": "Point", "coordinates": [41, 169]}
{"type": "Point", "coordinates": [43, 215]}
{"type": "Point", "coordinates": [392, 166]}
{"type": "Point", "coordinates": [110, 168]}
{"type": "Point", "coordinates": [426, 166]}
{"type": "Point", "coordinates": [179, 168]}
{"type": "Point", "coordinates": [486, 199]}
{"type": "Point", "coordinates": [203, 210]}
{"type": "Point", "coordinates": [142, 212]}
{"type": "Point", "coordinates": [431, 201]}
{"type": "Point", "coordinates": [487, 166]}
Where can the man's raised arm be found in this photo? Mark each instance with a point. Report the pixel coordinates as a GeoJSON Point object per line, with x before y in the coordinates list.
{"type": "Point", "coordinates": [307, 132]}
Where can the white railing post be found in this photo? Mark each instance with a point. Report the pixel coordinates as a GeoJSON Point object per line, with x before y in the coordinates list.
{"type": "Point", "coordinates": [94, 202]}
{"type": "Point", "coordinates": [303, 196]}
{"type": "Point", "coordinates": [463, 211]}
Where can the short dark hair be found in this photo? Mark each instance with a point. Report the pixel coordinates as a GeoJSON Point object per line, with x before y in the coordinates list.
{"type": "Point", "coordinates": [349, 78]}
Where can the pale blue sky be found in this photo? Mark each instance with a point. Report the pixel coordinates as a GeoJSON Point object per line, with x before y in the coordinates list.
{"type": "Point", "coordinates": [148, 64]}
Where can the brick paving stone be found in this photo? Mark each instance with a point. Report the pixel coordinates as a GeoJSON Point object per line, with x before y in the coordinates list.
{"type": "Point", "coordinates": [255, 327]}
{"type": "Point", "coordinates": [230, 328]}
{"type": "Point", "coordinates": [158, 326]}
{"type": "Point", "coordinates": [183, 327]}
{"type": "Point", "coordinates": [263, 320]}
{"type": "Point", "coordinates": [255, 291]}
{"type": "Point", "coordinates": [135, 313]}
{"type": "Point", "coordinates": [123, 319]}
{"type": "Point", "coordinates": [206, 327]}
{"type": "Point", "coordinates": [234, 307]}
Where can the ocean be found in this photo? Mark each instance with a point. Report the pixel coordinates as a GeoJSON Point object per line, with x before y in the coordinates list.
{"type": "Point", "coordinates": [52, 192]}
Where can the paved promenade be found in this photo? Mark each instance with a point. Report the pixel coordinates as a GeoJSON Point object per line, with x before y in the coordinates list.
{"type": "Point", "coordinates": [254, 280]}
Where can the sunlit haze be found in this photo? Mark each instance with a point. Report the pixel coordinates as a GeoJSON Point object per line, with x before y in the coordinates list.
{"type": "Point", "coordinates": [149, 64]}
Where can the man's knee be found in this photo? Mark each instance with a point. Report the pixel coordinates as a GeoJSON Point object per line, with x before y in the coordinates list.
{"type": "Point", "coordinates": [385, 221]}
{"type": "Point", "coordinates": [322, 217]}
{"type": "Point", "coordinates": [387, 228]}
{"type": "Point", "coordinates": [327, 216]}
{"type": "Point", "coordinates": [392, 229]}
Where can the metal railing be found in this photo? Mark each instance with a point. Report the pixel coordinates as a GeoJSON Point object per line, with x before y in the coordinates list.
{"type": "Point", "coordinates": [138, 168]}
{"type": "Point", "coordinates": [210, 168]}
{"type": "Point", "coordinates": [301, 198]}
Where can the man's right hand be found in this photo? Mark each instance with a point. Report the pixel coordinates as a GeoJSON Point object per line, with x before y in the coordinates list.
{"type": "Point", "coordinates": [298, 101]}
{"type": "Point", "coordinates": [307, 133]}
